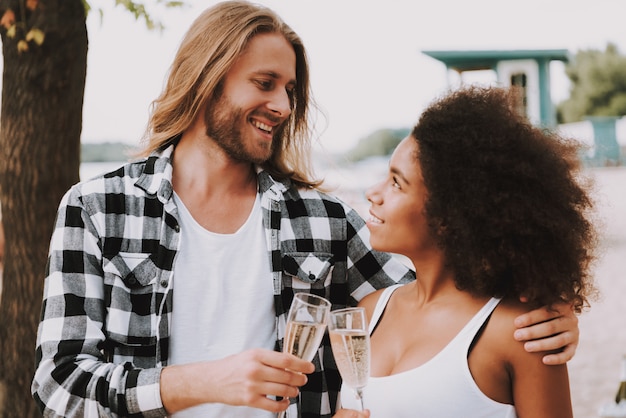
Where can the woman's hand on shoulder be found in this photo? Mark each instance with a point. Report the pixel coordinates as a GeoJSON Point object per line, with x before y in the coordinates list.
{"type": "Point", "coordinates": [553, 331]}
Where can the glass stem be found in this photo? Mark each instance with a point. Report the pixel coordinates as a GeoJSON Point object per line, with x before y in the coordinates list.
{"type": "Point", "coordinates": [359, 393]}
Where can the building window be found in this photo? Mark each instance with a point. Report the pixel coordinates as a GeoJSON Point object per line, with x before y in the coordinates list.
{"type": "Point", "coordinates": [520, 89]}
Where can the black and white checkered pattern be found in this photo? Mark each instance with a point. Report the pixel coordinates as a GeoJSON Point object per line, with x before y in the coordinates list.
{"type": "Point", "coordinates": [104, 331]}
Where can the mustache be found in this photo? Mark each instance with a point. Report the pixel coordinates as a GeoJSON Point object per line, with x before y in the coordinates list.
{"type": "Point", "coordinates": [268, 116]}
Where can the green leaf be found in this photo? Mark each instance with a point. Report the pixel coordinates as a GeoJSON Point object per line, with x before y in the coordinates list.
{"type": "Point", "coordinates": [141, 12]}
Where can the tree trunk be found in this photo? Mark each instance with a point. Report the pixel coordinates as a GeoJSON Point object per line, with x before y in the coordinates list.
{"type": "Point", "coordinates": [40, 127]}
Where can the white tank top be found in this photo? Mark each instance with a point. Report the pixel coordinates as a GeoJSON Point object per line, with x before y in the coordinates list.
{"type": "Point", "coordinates": [442, 387]}
{"type": "Point", "coordinates": [223, 299]}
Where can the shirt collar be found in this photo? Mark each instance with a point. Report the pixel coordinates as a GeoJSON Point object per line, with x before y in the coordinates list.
{"type": "Point", "coordinates": [268, 184]}
{"type": "Point", "coordinates": [157, 177]}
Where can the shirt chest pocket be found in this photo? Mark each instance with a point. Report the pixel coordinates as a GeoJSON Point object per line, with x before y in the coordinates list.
{"type": "Point", "coordinates": [308, 270]}
{"type": "Point", "coordinates": [131, 288]}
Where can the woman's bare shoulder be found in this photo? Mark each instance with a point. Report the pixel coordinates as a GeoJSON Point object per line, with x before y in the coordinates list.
{"type": "Point", "coordinates": [369, 302]}
{"type": "Point", "coordinates": [501, 327]}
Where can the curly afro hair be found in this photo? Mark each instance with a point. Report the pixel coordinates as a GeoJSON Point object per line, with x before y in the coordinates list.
{"type": "Point", "coordinates": [506, 201]}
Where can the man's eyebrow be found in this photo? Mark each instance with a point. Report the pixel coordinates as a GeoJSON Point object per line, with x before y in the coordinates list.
{"type": "Point", "coordinates": [274, 75]}
{"type": "Point", "coordinates": [270, 73]}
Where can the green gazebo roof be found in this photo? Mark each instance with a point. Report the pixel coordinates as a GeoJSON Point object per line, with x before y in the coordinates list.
{"type": "Point", "coordinates": [488, 59]}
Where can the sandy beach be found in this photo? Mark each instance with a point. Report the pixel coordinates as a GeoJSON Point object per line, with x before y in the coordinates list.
{"type": "Point", "coordinates": [594, 371]}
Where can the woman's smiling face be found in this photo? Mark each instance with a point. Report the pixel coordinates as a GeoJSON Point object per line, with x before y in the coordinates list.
{"type": "Point", "coordinates": [397, 223]}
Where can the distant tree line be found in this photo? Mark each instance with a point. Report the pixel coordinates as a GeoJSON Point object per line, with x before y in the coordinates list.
{"type": "Point", "coordinates": [105, 152]}
{"type": "Point", "coordinates": [379, 143]}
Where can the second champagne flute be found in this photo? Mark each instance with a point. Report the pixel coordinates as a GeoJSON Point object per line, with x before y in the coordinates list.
{"type": "Point", "coordinates": [306, 324]}
{"type": "Point", "coordinates": [350, 342]}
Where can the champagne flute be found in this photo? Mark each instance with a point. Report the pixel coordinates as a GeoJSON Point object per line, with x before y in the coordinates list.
{"type": "Point", "coordinates": [350, 342]}
{"type": "Point", "coordinates": [306, 323]}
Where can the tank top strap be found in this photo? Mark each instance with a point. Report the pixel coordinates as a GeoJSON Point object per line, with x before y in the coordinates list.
{"type": "Point", "coordinates": [381, 305]}
{"type": "Point", "coordinates": [469, 331]}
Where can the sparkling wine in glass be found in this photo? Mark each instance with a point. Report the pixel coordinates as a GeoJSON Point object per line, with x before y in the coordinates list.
{"type": "Point", "coordinates": [306, 324]}
{"type": "Point", "coordinates": [350, 341]}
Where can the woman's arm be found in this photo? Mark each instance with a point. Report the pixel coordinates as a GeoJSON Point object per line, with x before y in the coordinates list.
{"type": "Point", "coordinates": [540, 390]}
{"type": "Point", "coordinates": [536, 390]}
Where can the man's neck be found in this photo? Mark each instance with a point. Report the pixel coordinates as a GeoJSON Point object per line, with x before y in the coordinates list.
{"type": "Point", "coordinates": [218, 191]}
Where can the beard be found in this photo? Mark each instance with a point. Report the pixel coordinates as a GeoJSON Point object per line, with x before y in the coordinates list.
{"type": "Point", "coordinates": [225, 121]}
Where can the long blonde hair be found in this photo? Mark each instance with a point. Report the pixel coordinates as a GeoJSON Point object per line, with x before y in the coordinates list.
{"type": "Point", "coordinates": [209, 49]}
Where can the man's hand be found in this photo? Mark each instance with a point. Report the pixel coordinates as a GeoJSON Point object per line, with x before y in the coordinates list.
{"type": "Point", "coordinates": [251, 378]}
{"type": "Point", "coordinates": [554, 330]}
{"type": "Point", "coordinates": [351, 413]}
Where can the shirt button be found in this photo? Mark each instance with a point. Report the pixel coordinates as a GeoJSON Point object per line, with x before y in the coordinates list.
{"type": "Point", "coordinates": [163, 283]}
{"type": "Point", "coordinates": [177, 228]}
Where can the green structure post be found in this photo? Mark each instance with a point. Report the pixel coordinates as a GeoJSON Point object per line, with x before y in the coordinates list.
{"type": "Point", "coordinates": [606, 152]}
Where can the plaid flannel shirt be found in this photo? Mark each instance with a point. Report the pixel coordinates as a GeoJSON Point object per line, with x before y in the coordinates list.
{"type": "Point", "coordinates": [104, 332]}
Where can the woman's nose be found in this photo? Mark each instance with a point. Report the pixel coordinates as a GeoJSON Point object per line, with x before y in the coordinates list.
{"type": "Point", "coordinates": [371, 194]}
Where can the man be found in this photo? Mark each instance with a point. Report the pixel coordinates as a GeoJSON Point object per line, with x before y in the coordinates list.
{"type": "Point", "coordinates": [169, 279]}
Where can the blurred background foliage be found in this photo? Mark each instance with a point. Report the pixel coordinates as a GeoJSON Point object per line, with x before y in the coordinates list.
{"type": "Point", "coordinates": [598, 85]}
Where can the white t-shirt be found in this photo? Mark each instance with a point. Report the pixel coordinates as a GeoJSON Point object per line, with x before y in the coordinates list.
{"type": "Point", "coordinates": [223, 299]}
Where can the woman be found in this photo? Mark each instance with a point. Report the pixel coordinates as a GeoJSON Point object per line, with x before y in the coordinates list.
{"type": "Point", "coordinates": [489, 209]}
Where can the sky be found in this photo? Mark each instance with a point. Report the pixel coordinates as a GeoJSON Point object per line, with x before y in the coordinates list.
{"type": "Point", "coordinates": [367, 67]}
